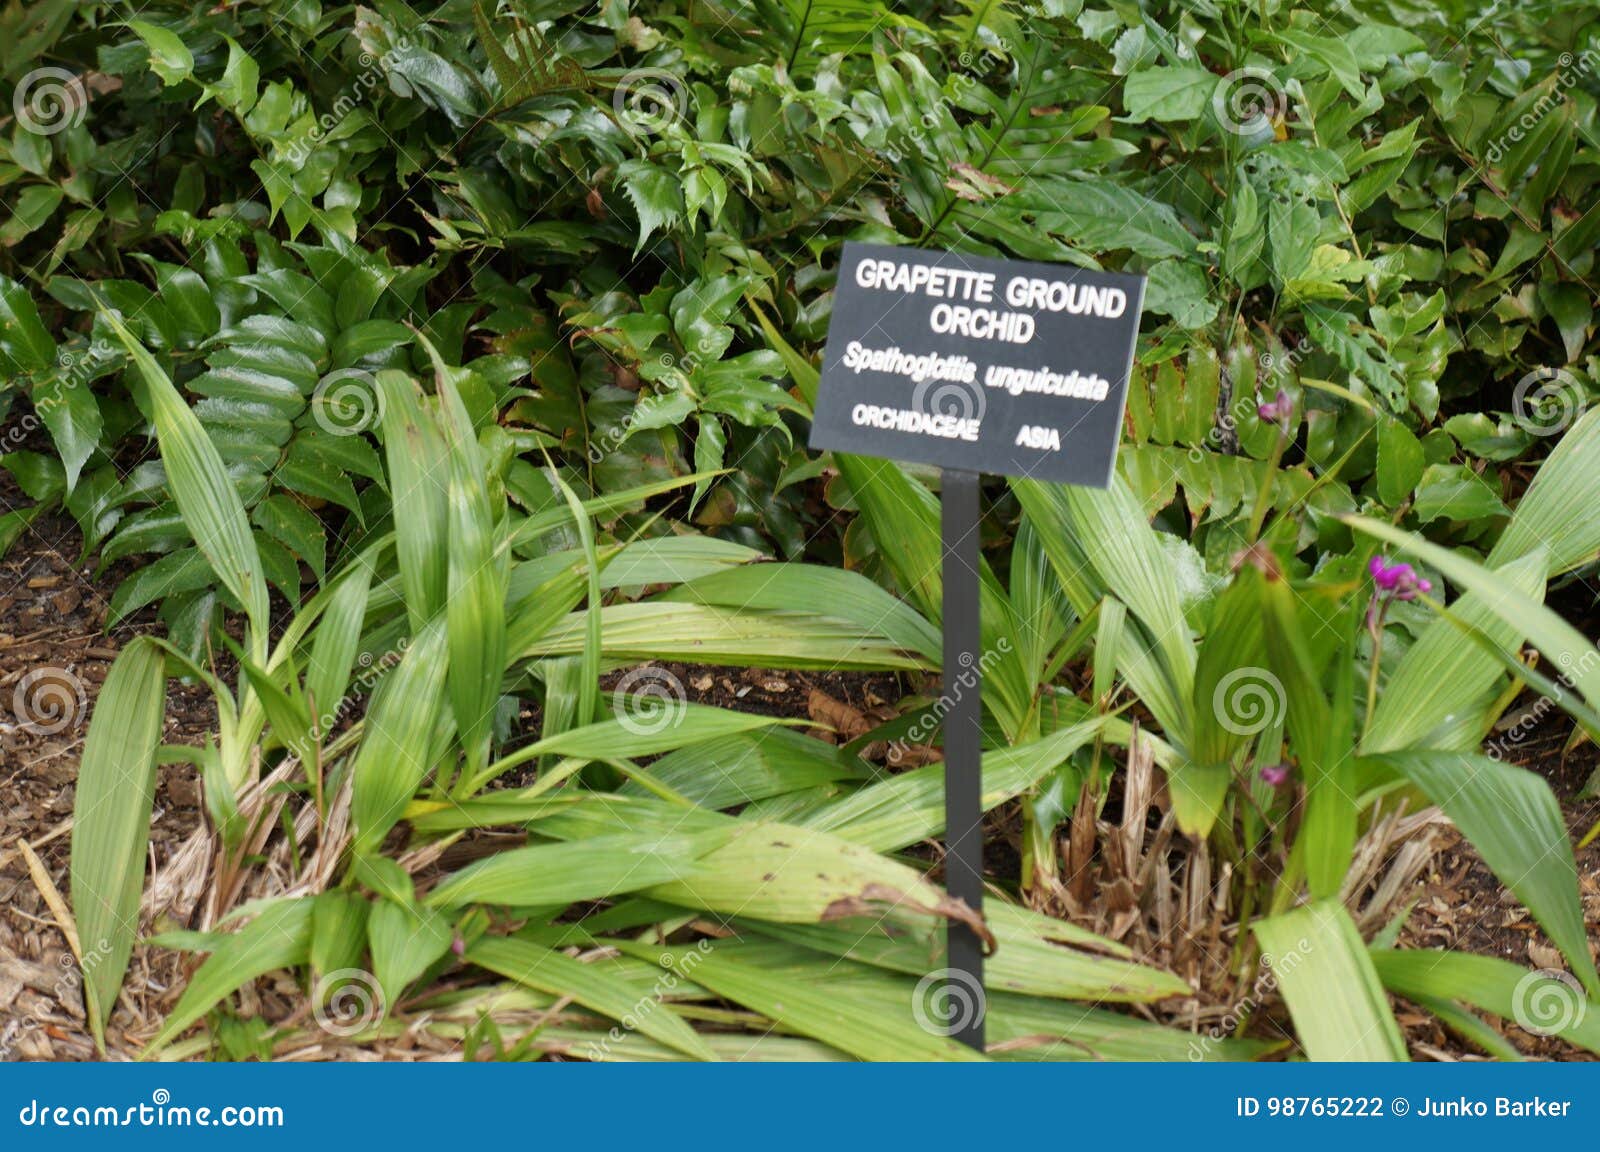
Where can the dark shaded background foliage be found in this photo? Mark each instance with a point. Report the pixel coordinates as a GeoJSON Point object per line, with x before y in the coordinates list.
{"type": "Point", "coordinates": [1382, 209]}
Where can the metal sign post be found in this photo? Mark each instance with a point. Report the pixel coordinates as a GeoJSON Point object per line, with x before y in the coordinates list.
{"type": "Point", "coordinates": [974, 365]}
{"type": "Point", "coordinates": [963, 743]}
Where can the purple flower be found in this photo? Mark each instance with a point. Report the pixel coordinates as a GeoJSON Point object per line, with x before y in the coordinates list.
{"type": "Point", "coordinates": [1275, 774]}
{"type": "Point", "coordinates": [1279, 410]}
{"type": "Point", "coordinates": [1399, 579]}
{"type": "Point", "coordinates": [458, 946]}
{"type": "Point", "coordinates": [1386, 575]}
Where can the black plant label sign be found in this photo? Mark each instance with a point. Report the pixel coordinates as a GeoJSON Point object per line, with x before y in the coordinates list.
{"type": "Point", "coordinates": [982, 365]}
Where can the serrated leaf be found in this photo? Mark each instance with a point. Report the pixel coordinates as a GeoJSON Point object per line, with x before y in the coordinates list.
{"type": "Point", "coordinates": [170, 59]}
{"type": "Point", "coordinates": [656, 196]}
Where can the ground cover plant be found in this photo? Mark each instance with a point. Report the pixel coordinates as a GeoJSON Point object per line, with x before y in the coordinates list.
{"type": "Point", "coordinates": [426, 386]}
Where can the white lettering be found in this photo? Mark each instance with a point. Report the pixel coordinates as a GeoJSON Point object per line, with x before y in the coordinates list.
{"type": "Point", "coordinates": [908, 420]}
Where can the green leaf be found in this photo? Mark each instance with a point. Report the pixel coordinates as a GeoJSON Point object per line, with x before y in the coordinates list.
{"type": "Point", "coordinates": [403, 731]}
{"type": "Point", "coordinates": [336, 644]}
{"type": "Point", "coordinates": [338, 936]}
{"type": "Point", "coordinates": [1529, 998]}
{"type": "Point", "coordinates": [278, 937]}
{"type": "Point", "coordinates": [591, 869]}
{"type": "Point", "coordinates": [1560, 512]}
{"type": "Point", "coordinates": [1103, 217]}
{"type": "Point", "coordinates": [1338, 1004]}
{"type": "Point", "coordinates": [25, 344]}
{"type": "Point", "coordinates": [909, 807]}
{"type": "Point", "coordinates": [1321, 743]}
{"type": "Point", "coordinates": [1446, 670]}
{"type": "Point", "coordinates": [1455, 492]}
{"type": "Point", "coordinates": [477, 581]}
{"type": "Point", "coordinates": [654, 718]}
{"type": "Point", "coordinates": [1513, 820]}
{"type": "Point", "coordinates": [72, 414]}
{"type": "Point", "coordinates": [419, 478]}
{"type": "Point", "coordinates": [827, 1014]}
{"type": "Point", "coordinates": [111, 821]}
{"type": "Point", "coordinates": [169, 58]}
{"type": "Point", "coordinates": [237, 91]}
{"type": "Point", "coordinates": [188, 300]}
{"type": "Point", "coordinates": [655, 193]}
{"type": "Point", "coordinates": [750, 766]}
{"type": "Point", "coordinates": [1171, 95]}
{"type": "Point", "coordinates": [1400, 462]}
{"type": "Point", "coordinates": [286, 712]}
{"type": "Point", "coordinates": [405, 942]}
{"type": "Point", "coordinates": [591, 985]}
{"type": "Point", "coordinates": [1332, 53]}
{"type": "Point", "coordinates": [845, 595]}
{"type": "Point", "coordinates": [1235, 701]}
{"type": "Point", "coordinates": [1558, 640]}
{"type": "Point", "coordinates": [1101, 542]}
{"type": "Point", "coordinates": [33, 206]}
{"type": "Point", "coordinates": [1179, 289]}
{"type": "Point", "coordinates": [294, 526]}
{"type": "Point", "coordinates": [203, 490]}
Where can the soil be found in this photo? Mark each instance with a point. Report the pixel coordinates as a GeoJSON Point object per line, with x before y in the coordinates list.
{"type": "Point", "coordinates": [1462, 906]}
{"type": "Point", "coordinates": [55, 653]}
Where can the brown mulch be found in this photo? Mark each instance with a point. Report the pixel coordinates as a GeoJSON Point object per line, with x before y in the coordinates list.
{"type": "Point", "coordinates": [53, 641]}
{"type": "Point", "coordinates": [54, 655]}
{"type": "Point", "coordinates": [1462, 906]}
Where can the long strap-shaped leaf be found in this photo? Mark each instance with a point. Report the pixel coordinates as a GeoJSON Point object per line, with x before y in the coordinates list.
{"type": "Point", "coordinates": [827, 1014]}
{"type": "Point", "coordinates": [591, 985]}
{"type": "Point", "coordinates": [204, 492]}
{"type": "Point", "coordinates": [1561, 642]}
{"type": "Point", "coordinates": [278, 937]}
{"type": "Point", "coordinates": [402, 736]}
{"type": "Point", "coordinates": [1493, 985]}
{"type": "Point", "coordinates": [419, 477]}
{"type": "Point", "coordinates": [111, 821]}
{"type": "Point", "coordinates": [1338, 1005]}
{"type": "Point", "coordinates": [1512, 818]}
